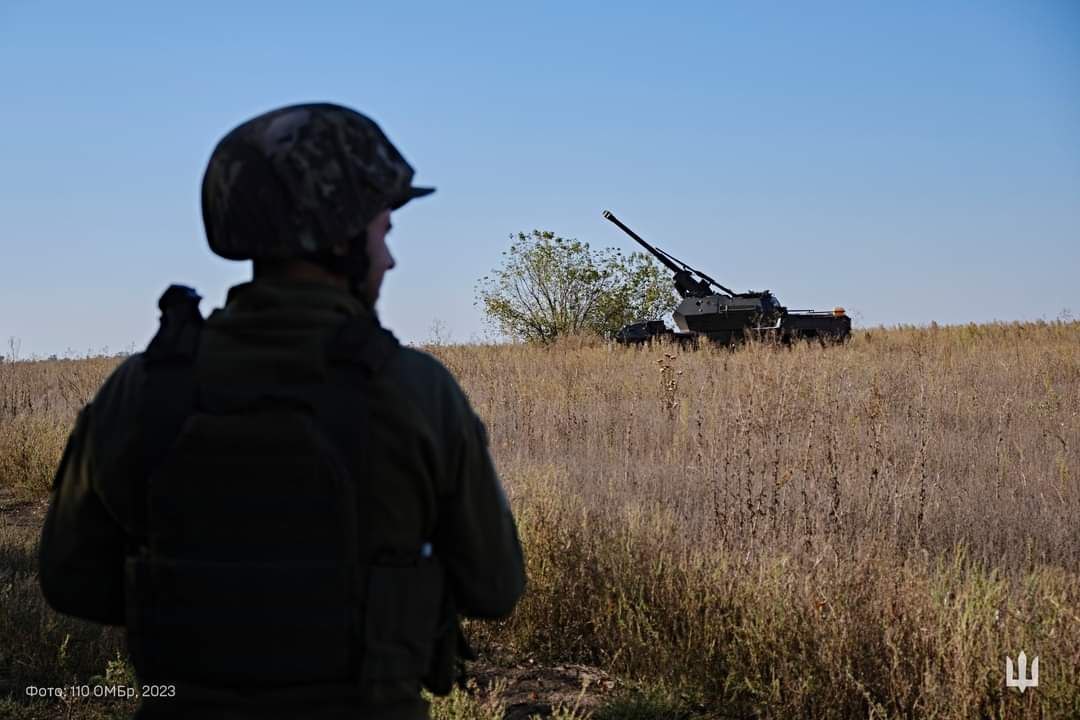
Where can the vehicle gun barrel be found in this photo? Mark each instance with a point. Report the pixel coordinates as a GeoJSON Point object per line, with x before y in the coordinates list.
{"type": "Point", "coordinates": [658, 254]}
{"type": "Point", "coordinates": [671, 262]}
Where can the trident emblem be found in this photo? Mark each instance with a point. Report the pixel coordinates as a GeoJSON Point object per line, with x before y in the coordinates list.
{"type": "Point", "coordinates": [1019, 680]}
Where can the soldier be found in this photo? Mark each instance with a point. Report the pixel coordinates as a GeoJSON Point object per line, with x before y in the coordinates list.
{"type": "Point", "coordinates": [286, 509]}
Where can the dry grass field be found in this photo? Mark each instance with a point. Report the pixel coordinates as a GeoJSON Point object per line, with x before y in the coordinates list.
{"type": "Point", "coordinates": [860, 531]}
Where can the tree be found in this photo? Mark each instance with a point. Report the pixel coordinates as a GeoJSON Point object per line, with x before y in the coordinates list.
{"type": "Point", "coordinates": [549, 286]}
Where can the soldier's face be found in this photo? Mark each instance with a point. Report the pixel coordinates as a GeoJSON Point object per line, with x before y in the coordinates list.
{"type": "Point", "coordinates": [379, 255]}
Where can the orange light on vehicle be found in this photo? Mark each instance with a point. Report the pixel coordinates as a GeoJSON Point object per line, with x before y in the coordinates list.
{"type": "Point", "coordinates": [838, 312]}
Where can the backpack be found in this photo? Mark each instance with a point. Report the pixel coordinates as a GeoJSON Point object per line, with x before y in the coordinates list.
{"type": "Point", "coordinates": [251, 570]}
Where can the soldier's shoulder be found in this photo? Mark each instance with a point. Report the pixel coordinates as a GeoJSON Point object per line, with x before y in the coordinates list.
{"type": "Point", "coordinates": [117, 400]}
{"type": "Point", "coordinates": [429, 384]}
{"type": "Point", "coordinates": [423, 368]}
{"type": "Point", "coordinates": [125, 381]}
{"type": "Point", "coordinates": [415, 388]}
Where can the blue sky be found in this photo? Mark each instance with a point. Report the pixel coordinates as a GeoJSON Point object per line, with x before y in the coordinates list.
{"type": "Point", "coordinates": [911, 161]}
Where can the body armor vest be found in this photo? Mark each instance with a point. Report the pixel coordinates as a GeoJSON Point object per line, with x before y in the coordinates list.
{"type": "Point", "coordinates": [253, 569]}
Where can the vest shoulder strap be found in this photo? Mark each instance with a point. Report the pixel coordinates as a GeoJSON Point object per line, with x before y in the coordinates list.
{"type": "Point", "coordinates": [362, 342]}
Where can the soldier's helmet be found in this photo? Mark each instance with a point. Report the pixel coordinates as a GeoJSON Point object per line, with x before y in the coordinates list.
{"type": "Point", "coordinates": [293, 182]}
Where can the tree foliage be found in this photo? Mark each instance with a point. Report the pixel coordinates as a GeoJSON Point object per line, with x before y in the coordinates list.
{"type": "Point", "coordinates": [549, 286]}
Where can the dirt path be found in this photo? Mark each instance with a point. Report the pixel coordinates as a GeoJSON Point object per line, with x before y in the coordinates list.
{"type": "Point", "coordinates": [19, 512]}
{"type": "Point", "coordinates": [528, 688]}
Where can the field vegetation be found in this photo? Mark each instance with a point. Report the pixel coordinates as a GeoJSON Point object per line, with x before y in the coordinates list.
{"type": "Point", "coordinates": [859, 531]}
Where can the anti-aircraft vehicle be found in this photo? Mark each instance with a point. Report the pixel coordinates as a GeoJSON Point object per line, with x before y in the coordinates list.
{"type": "Point", "coordinates": [710, 310]}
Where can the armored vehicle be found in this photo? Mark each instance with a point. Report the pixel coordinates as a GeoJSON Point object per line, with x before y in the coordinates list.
{"type": "Point", "coordinates": [710, 310]}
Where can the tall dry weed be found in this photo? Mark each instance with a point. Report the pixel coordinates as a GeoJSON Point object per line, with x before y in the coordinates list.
{"type": "Point", "coordinates": [865, 530]}
{"type": "Point", "coordinates": [38, 404]}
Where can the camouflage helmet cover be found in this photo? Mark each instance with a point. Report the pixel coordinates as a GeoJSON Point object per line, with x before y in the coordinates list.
{"type": "Point", "coordinates": [294, 181]}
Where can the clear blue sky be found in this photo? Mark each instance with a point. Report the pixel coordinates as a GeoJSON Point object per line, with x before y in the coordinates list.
{"type": "Point", "coordinates": [912, 161]}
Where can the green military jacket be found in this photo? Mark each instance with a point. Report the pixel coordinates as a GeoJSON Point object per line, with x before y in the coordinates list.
{"type": "Point", "coordinates": [431, 471]}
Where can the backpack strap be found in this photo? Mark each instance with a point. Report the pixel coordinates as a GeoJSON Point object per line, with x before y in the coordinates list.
{"type": "Point", "coordinates": [169, 391]}
{"type": "Point", "coordinates": [177, 337]}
